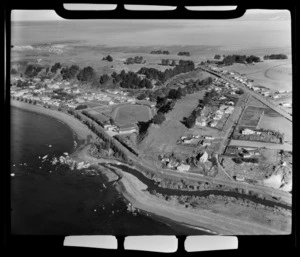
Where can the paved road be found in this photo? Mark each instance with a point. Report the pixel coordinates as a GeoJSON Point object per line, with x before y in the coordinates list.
{"type": "Point", "coordinates": [285, 146]}
{"type": "Point", "coordinates": [253, 93]}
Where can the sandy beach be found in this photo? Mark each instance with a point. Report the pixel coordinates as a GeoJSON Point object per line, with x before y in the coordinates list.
{"type": "Point", "coordinates": [215, 218]}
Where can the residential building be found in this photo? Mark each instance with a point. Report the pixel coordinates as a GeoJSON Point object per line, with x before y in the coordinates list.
{"type": "Point", "coordinates": [183, 167]}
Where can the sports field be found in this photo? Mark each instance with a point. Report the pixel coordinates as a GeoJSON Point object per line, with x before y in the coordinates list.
{"type": "Point", "coordinates": [130, 114]}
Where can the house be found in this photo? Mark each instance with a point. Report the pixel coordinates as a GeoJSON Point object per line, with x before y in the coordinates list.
{"type": "Point", "coordinates": [213, 123]}
{"type": "Point", "coordinates": [183, 167]}
{"type": "Point", "coordinates": [248, 132]}
{"type": "Point", "coordinates": [209, 138]}
{"type": "Point", "coordinates": [205, 143]}
{"type": "Point", "coordinates": [239, 178]}
{"type": "Point", "coordinates": [201, 121]}
{"type": "Point", "coordinates": [203, 157]}
{"type": "Point", "coordinates": [173, 164]}
{"type": "Point", "coordinates": [230, 103]}
{"type": "Point", "coordinates": [245, 154]}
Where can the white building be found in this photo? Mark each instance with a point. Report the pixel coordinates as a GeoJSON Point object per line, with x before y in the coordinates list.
{"type": "Point", "coordinates": [203, 157]}
{"type": "Point", "coordinates": [248, 132]}
{"type": "Point", "coordinates": [183, 167]}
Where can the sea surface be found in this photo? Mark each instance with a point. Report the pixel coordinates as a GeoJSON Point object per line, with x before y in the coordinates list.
{"type": "Point", "coordinates": [51, 199]}
{"type": "Point", "coordinates": [233, 34]}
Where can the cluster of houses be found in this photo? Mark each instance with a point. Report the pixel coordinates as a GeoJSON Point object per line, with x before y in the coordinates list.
{"type": "Point", "coordinates": [116, 130]}
{"type": "Point", "coordinates": [195, 140]}
{"type": "Point", "coordinates": [213, 117]}
{"type": "Point", "coordinates": [42, 93]}
{"type": "Point", "coordinates": [250, 132]}
{"type": "Point", "coordinates": [171, 162]}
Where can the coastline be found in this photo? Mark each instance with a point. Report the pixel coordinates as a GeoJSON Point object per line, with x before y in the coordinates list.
{"type": "Point", "coordinates": [134, 191]}
{"type": "Point", "coordinates": [80, 131]}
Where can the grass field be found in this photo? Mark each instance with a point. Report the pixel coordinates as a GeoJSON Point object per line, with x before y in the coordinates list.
{"type": "Point", "coordinates": [273, 120]}
{"type": "Point", "coordinates": [163, 138]}
{"type": "Point", "coordinates": [274, 74]}
{"type": "Point", "coordinates": [130, 114]}
{"type": "Point", "coordinates": [251, 116]}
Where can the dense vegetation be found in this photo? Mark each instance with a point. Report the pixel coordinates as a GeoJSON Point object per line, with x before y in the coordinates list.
{"type": "Point", "coordinates": [275, 56]}
{"type": "Point", "coordinates": [168, 62]}
{"type": "Point", "coordinates": [184, 53]}
{"type": "Point", "coordinates": [121, 140]}
{"type": "Point", "coordinates": [136, 59]}
{"type": "Point", "coordinates": [55, 67]}
{"type": "Point", "coordinates": [86, 74]}
{"type": "Point", "coordinates": [107, 58]}
{"type": "Point", "coordinates": [190, 121]}
{"type": "Point", "coordinates": [32, 70]}
{"type": "Point", "coordinates": [230, 59]}
{"type": "Point", "coordinates": [131, 80]}
{"type": "Point", "coordinates": [217, 56]}
{"type": "Point", "coordinates": [81, 107]}
{"type": "Point", "coordinates": [160, 52]}
{"type": "Point", "coordinates": [104, 79]}
{"type": "Point", "coordinates": [159, 118]}
{"type": "Point", "coordinates": [69, 72]}
{"type": "Point", "coordinates": [182, 67]}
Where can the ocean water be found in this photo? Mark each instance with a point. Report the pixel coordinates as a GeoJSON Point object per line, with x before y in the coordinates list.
{"type": "Point", "coordinates": [232, 34]}
{"type": "Point", "coordinates": [66, 202]}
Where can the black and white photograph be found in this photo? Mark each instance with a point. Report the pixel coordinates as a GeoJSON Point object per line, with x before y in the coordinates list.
{"type": "Point", "coordinates": [151, 126]}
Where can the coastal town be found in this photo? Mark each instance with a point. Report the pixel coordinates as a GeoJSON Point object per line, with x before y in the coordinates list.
{"type": "Point", "coordinates": [201, 136]}
{"type": "Point", "coordinates": [219, 136]}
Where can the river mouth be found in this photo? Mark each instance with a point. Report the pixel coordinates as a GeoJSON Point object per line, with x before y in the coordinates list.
{"type": "Point", "coordinates": [152, 185]}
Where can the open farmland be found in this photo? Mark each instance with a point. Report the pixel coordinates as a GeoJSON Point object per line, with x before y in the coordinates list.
{"type": "Point", "coordinates": [274, 74]}
{"type": "Point", "coordinates": [130, 114]}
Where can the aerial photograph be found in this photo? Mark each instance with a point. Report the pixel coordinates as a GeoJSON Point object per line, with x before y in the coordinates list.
{"type": "Point", "coordinates": [151, 127]}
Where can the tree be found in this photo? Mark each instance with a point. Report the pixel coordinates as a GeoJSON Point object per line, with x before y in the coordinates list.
{"type": "Point", "coordinates": [108, 58]}
{"type": "Point", "coordinates": [80, 107]}
{"type": "Point", "coordinates": [104, 79]}
{"type": "Point", "coordinates": [190, 121]}
{"type": "Point", "coordinates": [86, 74]}
{"type": "Point", "coordinates": [159, 118]}
{"type": "Point", "coordinates": [217, 56]}
{"type": "Point", "coordinates": [55, 67]}
{"type": "Point", "coordinates": [141, 96]}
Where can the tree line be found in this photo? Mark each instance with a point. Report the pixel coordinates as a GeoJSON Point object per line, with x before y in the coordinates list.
{"type": "Point", "coordinates": [118, 153]}
{"type": "Point", "coordinates": [275, 56]}
{"type": "Point", "coordinates": [182, 67]}
{"type": "Point", "coordinates": [168, 62]}
{"type": "Point", "coordinates": [136, 59]}
{"type": "Point", "coordinates": [230, 59]}
{"type": "Point", "coordinates": [184, 53]}
{"type": "Point", "coordinates": [160, 52]}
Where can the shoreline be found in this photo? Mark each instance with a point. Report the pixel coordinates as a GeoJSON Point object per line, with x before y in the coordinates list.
{"type": "Point", "coordinates": [134, 191]}
{"type": "Point", "coordinates": [79, 130]}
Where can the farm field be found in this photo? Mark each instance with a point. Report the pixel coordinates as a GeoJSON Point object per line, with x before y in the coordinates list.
{"type": "Point", "coordinates": [130, 114]}
{"type": "Point", "coordinates": [274, 74]}
{"type": "Point", "coordinates": [251, 116]}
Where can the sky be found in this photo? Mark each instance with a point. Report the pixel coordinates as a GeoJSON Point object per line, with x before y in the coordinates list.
{"type": "Point", "coordinates": [40, 15]}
